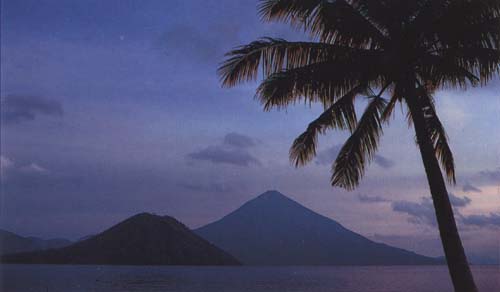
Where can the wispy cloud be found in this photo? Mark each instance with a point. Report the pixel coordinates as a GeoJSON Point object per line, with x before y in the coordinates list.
{"type": "Point", "coordinates": [21, 108]}
{"type": "Point", "coordinates": [459, 201]}
{"type": "Point", "coordinates": [5, 165]}
{"type": "Point", "coordinates": [233, 150]}
{"type": "Point", "coordinates": [490, 220]}
{"type": "Point", "coordinates": [423, 212]}
{"type": "Point", "coordinates": [34, 168]}
{"type": "Point", "coordinates": [238, 140]}
{"type": "Point", "coordinates": [383, 161]}
{"type": "Point", "coordinates": [220, 154]}
{"type": "Point", "coordinates": [491, 175]}
{"type": "Point", "coordinates": [210, 187]}
{"type": "Point", "coordinates": [10, 168]}
{"type": "Point", "coordinates": [469, 188]}
{"type": "Point", "coordinates": [419, 212]}
{"type": "Point", "coordinates": [372, 199]}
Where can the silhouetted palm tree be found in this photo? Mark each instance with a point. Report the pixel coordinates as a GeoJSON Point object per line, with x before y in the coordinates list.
{"type": "Point", "coordinates": [406, 50]}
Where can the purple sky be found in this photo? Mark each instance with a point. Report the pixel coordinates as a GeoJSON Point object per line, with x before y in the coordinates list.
{"type": "Point", "coordinates": [110, 108]}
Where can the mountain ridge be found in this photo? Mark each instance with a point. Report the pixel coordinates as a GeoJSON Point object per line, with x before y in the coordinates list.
{"type": "Point", "coordinates": [273, 229]}
{"type": "Point", "coordinates": [11, 242]}
{"type": "Point", "coordinates": [143, 239]}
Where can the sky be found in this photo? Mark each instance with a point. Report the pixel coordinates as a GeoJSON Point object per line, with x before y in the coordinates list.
{"type": "Point", "coordinates": [111, 108]}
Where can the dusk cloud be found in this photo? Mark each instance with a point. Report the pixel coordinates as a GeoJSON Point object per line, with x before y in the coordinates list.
{"type": "Point", "coordinates": [21, 108]}
{"type": "Point", "coordinates": [491, 175]}
{"type": "Point", "coordinates": [490, 220]}
{"type": "Point", "coordinates": [383, 161]}
{"type": "Point", "coordinates": [423, 212]}
{"type": "Point", "coordinates": [469, 188]}
{"type": "Point", "coordinates": [419, 213]}
{"type": "Point", "coordinates": [233, 150]}
{"type": "Point", "coordinates": [458, 201]}
{"type": "Point", "coordinates": [210, 187]}
{"type": "Point", "coordinates": [5, 165]}
{"type": "Point", "coordinates": [238, 140]}
{"type": "Point", "coordinates": [219, 154]}
{"type": "Point", "coordinates": [34, 168]}
{"type": "Point", "coordinates": [372, 199]}
{"type": "Point", "coordinates": [10, 168]}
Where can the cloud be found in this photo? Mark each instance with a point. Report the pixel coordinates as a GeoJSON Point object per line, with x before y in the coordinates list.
{"type": "Point", "coordinates": [233, 150]}
{"type": "Point", "coordinates": [34, 168]}
{"type": "Point", "coordinates": [238, 140]}
{"type": "Point", "coordinates": [423, 212]}
{"type": "Point", "coordinates": [458, 201]}
{"type": "Point", "coordinates": [420, 213]}
{"type": "Point", "coordinates": [490, 220]}
{"type": "Point", "coordinates": [491, 175]}
{"type": "Point", "coordinates": [383, 161]}
{"type": "Point", "coordinates": [469, 188]}
{"type": "Point", "coordinates": [211, 187]}
{"type": "Point", "coordinates": [5, 165]}
{"type": "Point", "coordinates": [372, 199]}
{"type": "Point", "coordinates": [11, 169]}
{"type": "Point", "coordinates": [219, 154]}
{"type": "Point", "coordinates": [21, 108]}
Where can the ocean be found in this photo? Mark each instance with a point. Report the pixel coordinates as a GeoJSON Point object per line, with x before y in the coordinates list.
{"type": "Point", "coordinates": [237, 279]}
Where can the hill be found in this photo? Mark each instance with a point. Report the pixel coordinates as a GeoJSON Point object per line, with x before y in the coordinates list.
{"type": "Point", "coordinates": [275, 230]}
{"type": "Point", "coordinates": [143, 239]}
{"type": "Point", "coordinates": [13, 243]}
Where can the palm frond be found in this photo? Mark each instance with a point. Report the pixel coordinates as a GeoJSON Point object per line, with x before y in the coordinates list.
{"type": "Point", "coordinates": [314, 83]}
{"type": "Point", "coordinates": [484, 33]}
{"type": "Point", "coordinates": [340, 115]}
{"type": "Point", "coordinates": [336, 22]}
{"type": "Point", "coordinates": [386, 115]}
{"type": "Point", "coordinates": [397, 95]}
{"type": "Point", "coordinates": [482, 62]}
{"type": "Point", "coordinates": [275, 55]}
{"type": "Point", "coordinates": [460, 23]}
{"type": "Point", "coordinates": [445, 72]}
{"type": "Point", "coordinates": [390, 15]}
{"type": "Point", "coordinates": [321, 82]}
{"type": "Point", "coordinates": [359, 149]}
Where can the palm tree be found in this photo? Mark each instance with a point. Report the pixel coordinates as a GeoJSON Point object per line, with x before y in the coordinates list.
{"type": "Point", "coordinates": [403, 50]}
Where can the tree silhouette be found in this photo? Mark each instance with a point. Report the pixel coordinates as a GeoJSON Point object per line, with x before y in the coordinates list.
{"type": "Point", "coordinates": [404, 51]}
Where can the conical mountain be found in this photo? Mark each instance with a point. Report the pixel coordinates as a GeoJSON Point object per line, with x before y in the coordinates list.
{"type": "Point", "coordinates": [143, 239]}
{"type": "Point", "coordinates": [272, 229]}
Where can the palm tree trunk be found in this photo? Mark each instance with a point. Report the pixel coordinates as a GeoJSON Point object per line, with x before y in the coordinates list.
{"type": "Point", "coordinates": [455, 256]}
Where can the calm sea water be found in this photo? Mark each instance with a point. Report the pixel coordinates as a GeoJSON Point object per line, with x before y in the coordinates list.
{"type": "Point", "coordinates": [237, 279]}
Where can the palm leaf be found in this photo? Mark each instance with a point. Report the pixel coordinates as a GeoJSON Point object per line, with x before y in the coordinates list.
{"type": "Point", "coordinates": [275, 55]}
{"type": "Point", "coordinates": [321, 82]}
{"type": "Point", "coordinates": [340, 115]}
{"type": "Point", "coordinates": [359, 149]}
{"type": "Point", "coordinates": [397, 95]}
{"type": "Point", "coordinates": [482, 62]}
{"type": "Point", "coordinates": [459, 23]}
{"type": "Point", "coordinates": [444, 72]}
{"type": "Point", "coordinates": [336, 22]}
